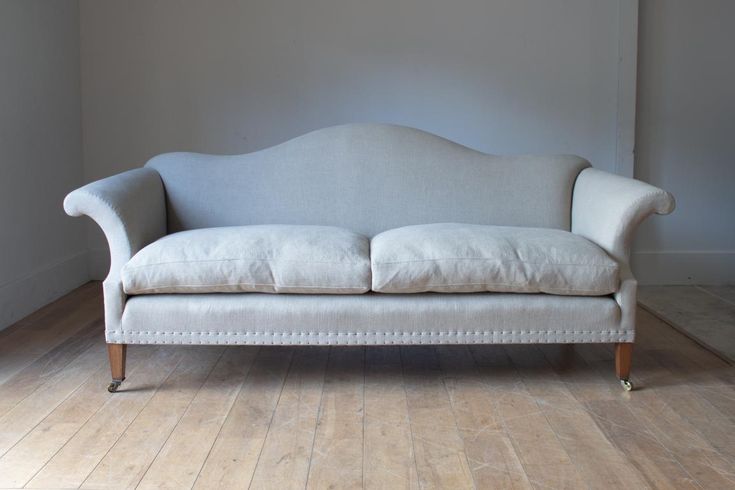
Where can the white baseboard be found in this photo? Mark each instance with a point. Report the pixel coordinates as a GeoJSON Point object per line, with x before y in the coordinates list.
{"type": "Point", "coordinates": [672, 268]}
{"type": "Point", "coordinates": [24, 295]}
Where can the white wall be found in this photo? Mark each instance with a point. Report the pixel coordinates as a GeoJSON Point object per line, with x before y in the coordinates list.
{"type": "Point", "coordinates": [42, 251]}
{"type": "Point", "coordinates": [685, 140]}
{"type": "Point", "coordinates": [504, 76]}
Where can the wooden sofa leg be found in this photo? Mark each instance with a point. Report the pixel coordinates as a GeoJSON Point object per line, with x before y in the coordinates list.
{"type": "Point", "coordinates": [117, 354]}
{"type": "Point", "coordinates": [623, 359]}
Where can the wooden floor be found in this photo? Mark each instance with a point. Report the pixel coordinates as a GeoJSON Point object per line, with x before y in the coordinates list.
{"type": "Point", "coordinates": [346, 417]}
{"type": "Point", "coordinates": [704, 313]}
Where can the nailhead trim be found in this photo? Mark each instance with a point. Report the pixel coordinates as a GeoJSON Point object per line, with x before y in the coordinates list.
{"type": "Point", "coordinates": [484, 332]}
{"type": "Point", "coordinates": [333, 338]}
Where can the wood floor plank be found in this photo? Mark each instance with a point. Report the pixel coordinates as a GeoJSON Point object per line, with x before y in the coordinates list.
{"type": "Point", "coordinates": [440, 457]}
{"type": "Point", "coordinates": [725, 293]}
{"type": "Point", "coordinates": [195, 433]}
{"type": "Point", "coordinates": [86, 296]}
{"type": "Point", "coordinates": [27, 380]}
{"type": "Point", "coordinates": [545, 460]}
{"type": "Point", "coordinates": [594, 385]}
{"type": "Point", "coordinates": [705, 425]}
{"type": "Point", "coordinates": [710, 422]}
{"type": "Point", "coordinates": [284, 459]}
{"type": "Point", "coordinates": [388, 457]}
{"type": "Point", "coordinates": [692, 452]}
{"type": "Point", "coordinates": [234, 455]}
{"type": "Point", "coordinates": [493, 460]}
{"type": "Point", "coordinates": [702, 315]}
{"type": "Point", "coordinates": [721, 397]}
{"type": "Point", "coordinates": [685, 364]}
{"type": "Point", "coordinates": [598, 461]}
{"type": "Point", "coordinates": [336, 460]}
{"type": "Point", "coordinates": [27, 457]}
{"type": "Point", "coordinates": [452, 416]}
{"type": "Point", "coordinates": [141, 442]}
{"type": "Point", "coordinates": [643, 450]}
{"type": "Point", "coordinates": [649, 407]}
{"type": "Point", "coordinates": [24, 416]}
{"type": "Point", "coordinates": [79, 456]}
{"type": "Point", "coordinates": [654, 333]}
{"type": "Point", "coordinates": [28, 340]}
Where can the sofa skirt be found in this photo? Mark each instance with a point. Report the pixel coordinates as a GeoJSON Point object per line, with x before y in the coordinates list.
{"type": "Point", "coordinates": [369, 319]}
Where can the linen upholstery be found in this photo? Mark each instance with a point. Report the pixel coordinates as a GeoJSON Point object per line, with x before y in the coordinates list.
{"type": "Point", "coordinates": [460, 257]}
{"type": "Point", "coordinates": [130, 209]}
{"type": "Point", "coordinates": [371, 318]}
{"type": "Point", "coordinates": [607, 210]}
{"type": "Point", "coordinates": [367, 178]}
{"type": "Point", "coordinates": [265, 258]}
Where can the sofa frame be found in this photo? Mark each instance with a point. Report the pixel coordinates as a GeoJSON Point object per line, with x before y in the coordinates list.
{"type": "Point", "coordinates": [181, 191]}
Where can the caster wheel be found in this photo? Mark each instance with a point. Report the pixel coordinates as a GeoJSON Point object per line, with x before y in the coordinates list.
{"type": "Point", "coordinates": [627, 385]}
{"type": "Point", "coordinates": [112, 388]}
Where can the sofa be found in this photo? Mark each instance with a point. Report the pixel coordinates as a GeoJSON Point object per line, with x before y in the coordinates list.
{"type": "Point", "coordinates": [368, 234]}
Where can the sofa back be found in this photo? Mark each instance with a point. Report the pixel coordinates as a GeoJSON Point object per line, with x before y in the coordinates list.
{"type": "Point", "coordinates": [368, 178]}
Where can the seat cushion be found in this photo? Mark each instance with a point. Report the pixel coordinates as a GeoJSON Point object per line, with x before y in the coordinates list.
{"type": "Point", "coordinates": [461, 258]}
{"type": "Point", "coordinates": [265, 259]}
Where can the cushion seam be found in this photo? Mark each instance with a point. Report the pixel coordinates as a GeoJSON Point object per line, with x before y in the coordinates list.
{"type": "Point", "coordinates": [490, 285]}
{"type": "Point", "coordinates": [248, 284]}
{"type": "Point", "coordinates": [374, 263]}
{"type": "Point", "coordinates": [242, 259]}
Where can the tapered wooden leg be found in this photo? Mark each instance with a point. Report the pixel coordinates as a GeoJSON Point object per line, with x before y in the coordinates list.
{"type": "Point", "coordinates": [623, 359]}
{"type": "Point", "coordinates": [117, 354]}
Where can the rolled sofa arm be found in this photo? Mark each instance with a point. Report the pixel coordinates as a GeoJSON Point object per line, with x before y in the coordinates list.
{"type": "Point", "coordinates": [607, 209]}
{"type": "Point", "coordinates": [131, 210]}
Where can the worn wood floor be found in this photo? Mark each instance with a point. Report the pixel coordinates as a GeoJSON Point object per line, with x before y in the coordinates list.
{"type": "Point", "coordinates": [704, 313]}
{"type": "Point", "coordinates": [378, 417]}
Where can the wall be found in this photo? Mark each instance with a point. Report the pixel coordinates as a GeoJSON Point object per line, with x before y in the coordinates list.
{"type": "Point", "coordinates": [504, 76]}
{"type": "Point", "coordinates": [43, 252]}
{"type": "Point", "coordinates": [685, 139]}
{"type": "Point", "coordinates": [223, 76]}
{"type": "Point", "coordinates": [229, 77]}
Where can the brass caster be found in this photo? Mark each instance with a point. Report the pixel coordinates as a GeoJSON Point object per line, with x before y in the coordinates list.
{"type": "Point", "coordinates": [112, 388]}
{"type": "Point", "coordinates": [627, 385]}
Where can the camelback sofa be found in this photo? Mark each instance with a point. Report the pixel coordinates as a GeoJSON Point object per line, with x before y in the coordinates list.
{"type": "Point", "coordinates": [368, 234]}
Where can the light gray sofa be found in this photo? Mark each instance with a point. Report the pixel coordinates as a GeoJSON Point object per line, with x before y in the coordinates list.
{"type": "Point", "coordinates": [368, 234]}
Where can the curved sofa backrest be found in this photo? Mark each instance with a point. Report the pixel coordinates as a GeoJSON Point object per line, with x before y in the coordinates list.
{"type": "Point", "coordinates": [368, 178]}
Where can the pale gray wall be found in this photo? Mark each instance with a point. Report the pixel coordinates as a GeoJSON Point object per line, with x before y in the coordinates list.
{"type": "Point", "coordinates": [504, 76]}
{"type": "Point", "coordinates": [42, 251]}
{"type": "Point", "coordinates": [228, 76]}
{"type": "Point", "coordinates": [685, 138]}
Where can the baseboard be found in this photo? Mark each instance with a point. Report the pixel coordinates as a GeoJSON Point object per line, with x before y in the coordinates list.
{"type": "Point", "coordinates": [24, 295]}
{"type": "Point", "coordinates": [99, 263]}
{"type": "Point", "coordinates": [676, 268]}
